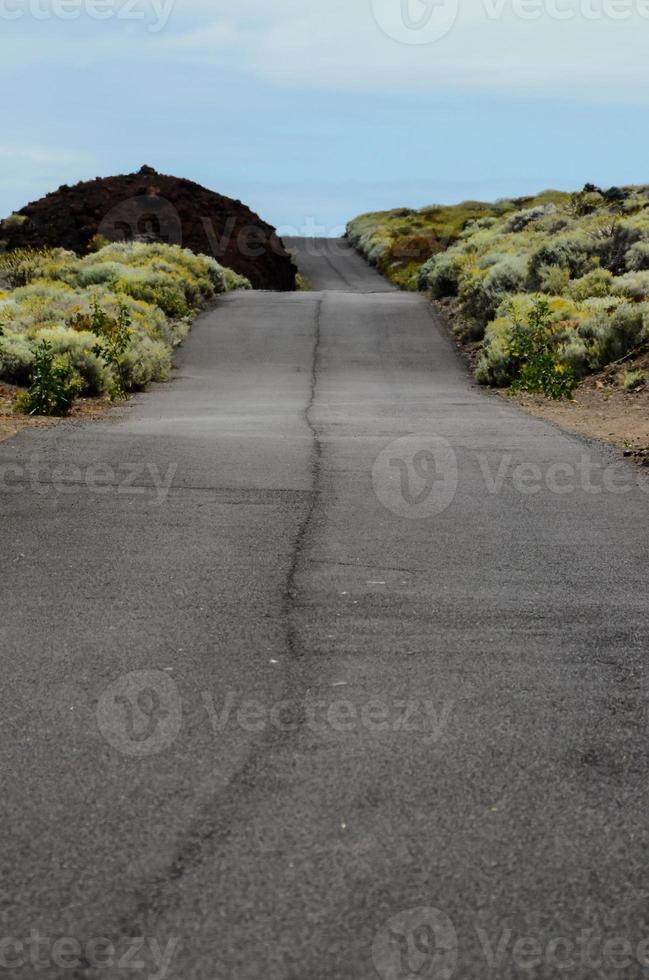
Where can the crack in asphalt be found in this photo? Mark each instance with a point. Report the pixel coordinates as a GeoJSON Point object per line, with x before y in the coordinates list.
{"type": "Point", "coordinates": [216, 816]}
{"type": "Point", "coordinates": [340, 274]}
{"type": "Point", "coordinates": [316, 463]}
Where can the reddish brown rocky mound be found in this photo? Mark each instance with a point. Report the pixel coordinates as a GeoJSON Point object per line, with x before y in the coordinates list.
{"type": "Point", "coordinates": [150, 206]}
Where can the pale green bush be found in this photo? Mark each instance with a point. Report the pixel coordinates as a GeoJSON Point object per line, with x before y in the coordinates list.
{"type": "Point", "coordinates": [157, 287]}
{"type": "Point", "coordinates": [574, 353]}
{"type": "Point", "coordinates": [13, 220]}
{"type": "Point", "coordinates": [442, 274]}
{"type": "Point", "coordinates": [554, 280]}
{"type": "Point", "coordinates": [482, 292]}
{"type": "Point", "coordinates": [16, 359]}
{"type": "Point", "coordinates": [633, 285]}
{"type": "Point", "coordinates": [78, 347]}
{"type": "Point", "coordinates": [234, 281]}
{"type": "Point", "coordinates": [611, 336]}
{"type": "Point", "coordinates": [497, 364]}
{"type": "Point", "coordinates": [637, 257]}
{"type": "Point", "coordinates": [145, 360]}
{"type": "Point", "coordinates": [569, 252]}
{"type": "Point", "coordinates": [522, 219]}
{"type": "Point", "coordinates": [594, 284]}
{"type": "Point", "coordinates": [632, 380]}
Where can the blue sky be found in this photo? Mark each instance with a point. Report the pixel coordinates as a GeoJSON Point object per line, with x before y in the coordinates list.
{"type": "Point", "coordinates": [312, 111]}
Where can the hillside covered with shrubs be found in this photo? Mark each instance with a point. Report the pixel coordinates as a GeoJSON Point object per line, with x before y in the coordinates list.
{"type": "Point", "coordinates": [105, 324]}
{"type": "Point", "coordinates": [558, 279]}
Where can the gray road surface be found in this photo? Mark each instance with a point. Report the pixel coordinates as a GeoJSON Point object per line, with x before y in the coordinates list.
{"type": "Point", "coordinates": [318, 662]}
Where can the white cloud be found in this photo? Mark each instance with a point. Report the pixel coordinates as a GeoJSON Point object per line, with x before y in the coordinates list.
{"type": "Point", "coordinates": [586, 49]}
{"type": "Point", "coordinates": [592, 48]}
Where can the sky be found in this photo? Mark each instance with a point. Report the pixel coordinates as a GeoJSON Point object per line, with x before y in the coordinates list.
{"type": "Point", "coordinates": [313, 111]}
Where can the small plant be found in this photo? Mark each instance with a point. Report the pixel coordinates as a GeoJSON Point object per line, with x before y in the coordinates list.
{"type": "Point", "coordinates": [54, 386]}
{"type": "Point", "coordinates": [13, 221]}
{"type": "Point", "coordinates": [532, 345]}
{"type": "Point", "coordinates": [303, 284]}
{"type": "Point", "coordinates": [20, 267]}
{"type": "Point", "coordinates": [632, 380]}
{"type": "Point", "coordinates": [114, 334]}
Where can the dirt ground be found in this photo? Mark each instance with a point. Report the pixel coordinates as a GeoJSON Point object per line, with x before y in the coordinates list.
{"type": "Point", "coordinates": [602, 409]}
{"type": "Point", "coordinates": [84, 410]}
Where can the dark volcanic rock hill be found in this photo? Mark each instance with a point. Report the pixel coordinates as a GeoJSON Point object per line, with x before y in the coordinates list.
{"type": "Point", "coordinates": [154, 207]}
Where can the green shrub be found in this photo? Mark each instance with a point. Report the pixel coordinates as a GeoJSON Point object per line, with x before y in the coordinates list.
{"type": "Point", "coordinates": [554, 280]}
{"type": "Point", "coordinates": [632, 380]}
{"type": "Point", "coordinates": [19, 267]}
{"type": "Point", "coordinates": [16, 359]}
{"type": "Point", "coordinates": [13, 221]}
{"type": "Point", "coordinates": [157, 289]}
{"type": "Point", "coordinates": [612, 243]}
{"type": "Point", "coordinates": [482, 292]}
{"type": "Point", "coordinates": [232, 280]}
{"type": "Point", "coordinates": [499, 363]}
{"type": "Point", "coordinates": [612, 336]}
{"type": "Point", "coordinates": [144, 361]}
{"type": "Point", "coordinates": [113, 335]}
{"type": "Point", "coordinates": [574, 354]}
{"type": "Point", "coordinates": [442, 274]}
{"type": "Point", "coordinates": [587, 253]}
{"type": "Point", "coordinates": [594, 284]}
{"type": "Point", "coordinates": [80, 350]}
{"type": "Point", "coordinates": [522, 219]}
{"type": "Point", "coordinates": [110, 318]}
{"type": "Point", "coordinates": [633, 285]}
{"type": "Point", "coordinates": [534, 349]}
{"type": "Point", "coordinates": [568, 252]}
{"type": "Point", "coordinates": [54, 384]}
{"type": "Point", "coordinates": [637, 257]}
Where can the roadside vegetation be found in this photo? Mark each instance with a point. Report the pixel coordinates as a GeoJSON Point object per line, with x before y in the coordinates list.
{"type": "Point", "coordinates": [543, 291]}
{"type": "Point", "coordinates": [102, 325]}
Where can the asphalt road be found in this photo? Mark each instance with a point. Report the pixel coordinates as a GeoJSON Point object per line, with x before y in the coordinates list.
{"type": "Point", "coordinates": [320, 662]}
